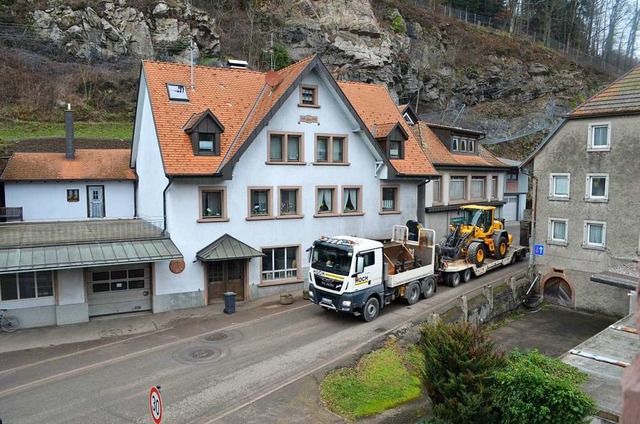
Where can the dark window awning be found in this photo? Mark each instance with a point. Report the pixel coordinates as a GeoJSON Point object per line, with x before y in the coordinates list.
{"type": "Point", "coordinates": [78, 244]}
{"type": "Point", "coordinates": [226, 248]}
{"type": "Point", "coordinates": [617, 280]}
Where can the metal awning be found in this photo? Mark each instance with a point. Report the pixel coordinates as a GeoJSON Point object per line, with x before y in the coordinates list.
{"type": "Point", "coordinates": [617, 280]}
{"type": "Point", "coordinates": [227, 247]}
{"type": "Point", "coordinates": [38, 246]}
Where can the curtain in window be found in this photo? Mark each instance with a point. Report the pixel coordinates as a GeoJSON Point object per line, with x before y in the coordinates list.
{"type": "Point", "coordinates": [293, 148]}
{"type": "Point", "coordinates": [596, 234]}
{"type": "Point", "coordinates": [275, 148]}
{"type": "Point", "coordinates": [559, 230]}
{"type": "Point", "coordinates": [259, 202]}
{"type": "Point", "coordinates": [436, 191]}
{"type": "Point", "coordinates": [350, 200]}
{"type": "Point", "coordinates": [477, 188]}
{"type": "Point", "coordinates": [325, 200]}
{"type": "Point", "coordinates": [394, 149]}
{"type": "Point", "coordinates": [389, 199]}
{"type": "Point", "coordinates": [561, 186]}
{"type": "Point", "coordinates": [322, 149]}
{"type": "Point", "coordinates": [288, 200]}
{"type": "Point", "coordinates": [338, 154]}
{"type": "Point", "coordinates": [456, 188]}
{"type": "Point", "coordinates": [600, 136]}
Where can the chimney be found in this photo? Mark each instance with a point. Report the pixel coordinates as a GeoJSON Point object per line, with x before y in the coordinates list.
{"type": "Point", "coordinates": [68, 130]}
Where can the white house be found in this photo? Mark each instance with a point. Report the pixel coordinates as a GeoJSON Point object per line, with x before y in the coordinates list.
{"type": "Point", "coordinates": [247, 169]}
{"type": "Point", "coordinates": [80, 252]}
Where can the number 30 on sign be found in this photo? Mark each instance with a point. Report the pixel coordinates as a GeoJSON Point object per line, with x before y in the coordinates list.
{"type": "Point", "coordinates": [155, 404]}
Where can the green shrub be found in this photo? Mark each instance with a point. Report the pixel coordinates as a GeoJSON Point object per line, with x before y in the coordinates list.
{"type": "Point", "coordinates": [534, 389]}
{"type": "Point", "coordinates": [460, 362]}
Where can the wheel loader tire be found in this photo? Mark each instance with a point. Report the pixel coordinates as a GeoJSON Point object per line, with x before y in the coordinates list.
{"type": "Point", "coordinates": [501, 247]}
{"type": "Point", "coordinates": [476, 253]}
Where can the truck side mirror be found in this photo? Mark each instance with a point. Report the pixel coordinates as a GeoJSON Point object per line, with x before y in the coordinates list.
{"type": "Point", "coordinates": [359, 264]}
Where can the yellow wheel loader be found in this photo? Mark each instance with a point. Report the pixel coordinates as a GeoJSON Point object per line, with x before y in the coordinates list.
{"type": "Point", "coordinates": [476, 234]}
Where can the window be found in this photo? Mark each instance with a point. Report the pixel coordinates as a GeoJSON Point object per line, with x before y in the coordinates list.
{"type": "Point", "coordinates": [280, 263]}
{"type": "Point", "coordinates": [437, 190]}
{"type": "Point", "coordinates": [118, 280]}
{"type": "Point", "coordinates": [559, 186]}
{"type": "Point", "coordinates": [206, 142]}
{"type": "Point", "coordinates": [463, 144]}
{"type": "Point", "coordinates": [177, 92]}
{"type": "Point", "coordinates": [594, 234]}
{"type": "Point", "coordinates": [457, 186]}
{"type": "Point", "coordinates": [260, 202]}
{"type": "Point", "coordinates": [308, 95]}
{"type": "Point", "coordinates": [512, 176]}
{"type": "Point", "coordinates": [471, 147]}
{"type": "Point", "coordinates": [477, 187]}
{"type": "Point", "coordinates": [331, 149]}
{"type": "Point", "coordinates": [407, 119]}
{"type": "Point", "coordinates": [495, 189]}
{"type": "Point", "coordinates": [325, 201]}
{"type": "Point", "coordinates": [599, 136]}
{"type": "Point", "coordinates": [285, 148]}
{"type": "Point", "coordinates": [351, 200]}
{"type": "Point", "coordinates": [557, 231]}
{"type": "Point", "coordinates": [389, 199]}
{"type": "Point", "coordinates": [597, 187]}
{"type": "Point", "coordinates": [290, 202]}
{"type": "Point", "coordinates": [395, 149]}
{"type": "Point", "coordinates": [455, 144]}
{"type": "Point", "coordinates": [26, 285]}
{"type": "Point", "coordinates": [213, 204]}
{"type": "Point", "coordinates": [73, 195]}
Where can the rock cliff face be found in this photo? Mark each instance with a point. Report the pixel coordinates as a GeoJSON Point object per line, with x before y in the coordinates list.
{"type": "Point", "coordinates": [108, 30]}
{"type": "Point", "coordinates": [452, 72]}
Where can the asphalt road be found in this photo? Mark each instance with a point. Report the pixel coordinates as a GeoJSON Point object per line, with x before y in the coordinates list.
{"type": "Point", "coordinates": [206, 376]}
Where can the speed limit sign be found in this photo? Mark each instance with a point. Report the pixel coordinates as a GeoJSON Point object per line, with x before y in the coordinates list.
{"type": "Point", "coordinates": [155, 404]}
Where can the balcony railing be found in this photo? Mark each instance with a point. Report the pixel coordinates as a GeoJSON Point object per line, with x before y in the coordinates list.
{"type": "Point", "coordinates": [10, 214]}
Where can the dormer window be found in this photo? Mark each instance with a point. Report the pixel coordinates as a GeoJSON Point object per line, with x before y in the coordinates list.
{"type": "Point", "coordinates": [455, 144]}
{"type": "Point", "coordinates": [392, 138]}
{"type": "Point", "coordinates": [308, 96]}
{"type": "Point", "coordinates": [395, 149]}
{"type": "Point", "coordinates": [205, 130]}
{"type": "Point", "coordinates": [461, 144]}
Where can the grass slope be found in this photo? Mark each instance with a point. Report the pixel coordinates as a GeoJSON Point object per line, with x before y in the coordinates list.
{"type": "Point", "coordinates": [16, 130]}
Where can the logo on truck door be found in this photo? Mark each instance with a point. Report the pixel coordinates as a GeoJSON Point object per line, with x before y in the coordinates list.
{"type": "Point", "coordinates": [362, 279]}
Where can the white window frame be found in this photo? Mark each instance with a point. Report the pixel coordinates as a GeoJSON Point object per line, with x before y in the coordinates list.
{"type": "Point", "coordinates": [283, 275]}
{"type": "Point", "coordinates": [477, 179]}
{"type": "Point", "coordinates": [458, 178]}
{"type": "Point", "coordinates": [589, 245]}
{"type": "Point", "coordinates": [589, 188]}
{"type": "Point", "coordinates": [551, 232]}
{"type": "Point", "coordinates": [437, 190]}
{"type": "Point", "coordinates": [552, 187]}
{"type": "Point", "coordinates": [592, 128]}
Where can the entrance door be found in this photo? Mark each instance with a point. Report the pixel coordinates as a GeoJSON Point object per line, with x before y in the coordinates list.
{"type": "Point", "coordinates": [225, 276]}
{"type": "Point", "coordinates": [95, 198]}
{"type": "Point", "coordinates": [510, 209]}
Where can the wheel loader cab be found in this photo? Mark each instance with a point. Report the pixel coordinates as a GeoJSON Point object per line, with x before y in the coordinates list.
{"type": "Point", "coordinates": [485, 235]}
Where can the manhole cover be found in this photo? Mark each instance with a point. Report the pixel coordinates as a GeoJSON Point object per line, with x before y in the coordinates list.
{"type": "Point", "coordinates": [199, 354]}
{"type": "Point", "coordinates": [216, 337]}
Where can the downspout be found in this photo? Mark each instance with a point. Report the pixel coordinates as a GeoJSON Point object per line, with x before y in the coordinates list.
{"type": "Point", "coordinates": [164, 205]}
{"type": "Point", "coordinates": [421, 209]}
{"type": "Point", "coordinates": [532, 256]}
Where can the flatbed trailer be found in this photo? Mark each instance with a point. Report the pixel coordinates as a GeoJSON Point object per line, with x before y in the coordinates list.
{"type": "Point", "coordinates": [453, 273]}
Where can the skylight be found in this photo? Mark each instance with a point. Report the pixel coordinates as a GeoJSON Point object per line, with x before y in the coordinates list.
{"type": "Point", "coordinates": [177, 92]}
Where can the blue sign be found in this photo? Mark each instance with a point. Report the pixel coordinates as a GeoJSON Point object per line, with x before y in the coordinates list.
{"type": "Point", "coordinates": [538, 249]}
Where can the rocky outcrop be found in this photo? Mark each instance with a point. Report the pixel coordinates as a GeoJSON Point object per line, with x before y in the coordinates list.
{"type": "Point", "coordinates": [109, 29]}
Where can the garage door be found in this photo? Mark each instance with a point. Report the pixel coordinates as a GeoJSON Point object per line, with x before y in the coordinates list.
{"type": "Point", "coordinates": [510, 209]}
{"type": "Point", "coordinates": [114, 290]}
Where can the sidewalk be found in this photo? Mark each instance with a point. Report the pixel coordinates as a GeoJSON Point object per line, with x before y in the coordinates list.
{"type": "Point", "coordinates": [102, 330]}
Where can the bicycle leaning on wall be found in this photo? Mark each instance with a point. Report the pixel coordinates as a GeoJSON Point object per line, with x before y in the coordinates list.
{"type": "Point", "coordinates": [8, 323]}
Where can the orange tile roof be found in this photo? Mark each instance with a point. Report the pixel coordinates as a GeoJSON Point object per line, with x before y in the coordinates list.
{"type": "Point", "coordinates": [441, 156]}
{"type": "Point", "coordinates": [383, 130]}
{"type": "Point", "coordinates": [112, 164]}
{"type": "Point", "coordinates": [375, 106]}
{"type": "Point", "coordinates": [622, 96]}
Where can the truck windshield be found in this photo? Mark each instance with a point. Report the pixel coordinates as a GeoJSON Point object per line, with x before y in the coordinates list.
{"type": "Point", "coordinates": [331, 259]}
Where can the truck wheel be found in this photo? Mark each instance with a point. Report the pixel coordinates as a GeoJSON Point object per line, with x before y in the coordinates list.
{"type": "Point", "coordinates": [476, 253]}
{"type": "Point", "coordinates": [453, 279]}
{"type": "Point", "coordinates": [466, 275]}
{"type": "Point", "coordinates": [428, 287]}
{"type": "Point", "coordinates": [412, 294]}
{"type": "Point", "coordinates": [501, 248]}
{"type": "Point", "coordinates": [371, 309]}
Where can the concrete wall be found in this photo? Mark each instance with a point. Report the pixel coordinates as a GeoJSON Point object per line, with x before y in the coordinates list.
{"type": "Point", "coordinates": [48, 200]}
{"type": "Point", "coordinates": [567, 152]}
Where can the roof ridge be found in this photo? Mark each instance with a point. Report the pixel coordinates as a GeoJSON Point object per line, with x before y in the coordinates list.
{"type": "Point", "coordinates": [221, 68]}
